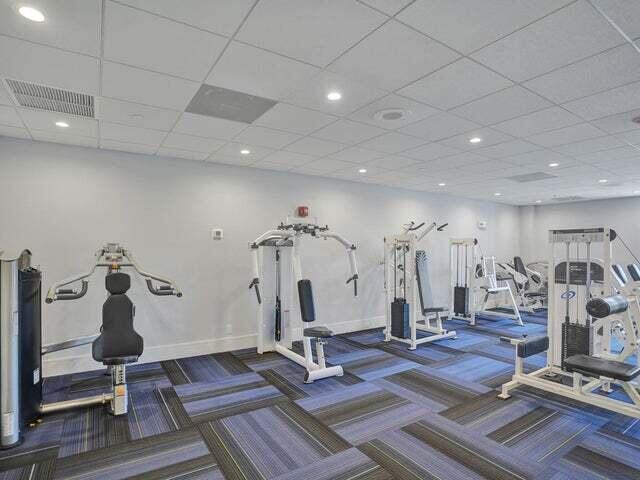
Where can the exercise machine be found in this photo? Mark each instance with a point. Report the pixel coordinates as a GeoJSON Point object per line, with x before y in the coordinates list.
{"type": "Point", "coordinates": [409, 304]}
{"type": "Point", "coordinates": [476, 287]}
{"type": "Point", "coordinates": [589, 299]}
{"type": "Point", "coordinates": [529, 290]}
{"type": "Point", "coordinates": [116, 345]}
{"type": "Point", "coordinates": [276, 258]}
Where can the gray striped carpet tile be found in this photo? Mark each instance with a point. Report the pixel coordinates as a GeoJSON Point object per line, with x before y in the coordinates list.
{"type": "Point", "coordinates": [147, 456]}
{"type": "Point", "coordinates": [269, 442]}
{"type": "Point", "coordinates": [372, 364]}
{"type": "Point", "coordinates": [204, 368]}
{"type": "Point", "coordinates": [39, 443]}
{"type": "Point", "coordinates": [206, 401]}
{"type": "Point", "coordinates": [42, 470]}
{"type": "Point", "coordinates": [258, 362]}
{"type": "Point", "coordinates": [421, 355]}
{"type": "Point", "coordinates": [150, 413]}
{"type": "Point", "coordinates": [349, 464]}
{"type": "Point", "coordinates": [361, 412]}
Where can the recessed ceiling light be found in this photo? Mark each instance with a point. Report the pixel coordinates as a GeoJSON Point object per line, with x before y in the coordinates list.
{"type": "Point", "coordinates": [475, 140]}
{"type": "Point", "coordinates": [245, 151]}
{"type": "Point", "coordinates": [603, 180]}
{"type": "Point", "coordinates": [62, 124]}
{"type": "Point", "coordinates": [538, 201]}
{"type": "Point", "coordinates": [636, 192]}
{"type": "Point", "coordinates": [553, 164]}
{"type": "Point", "coordinates": [31, 13]}
{"type": "Point", "coordinates": [363, 170]}
{"type": "Point", "coordinates": [334, 96]}
{"type": "Point", "coordinates": [442, 184]}
{"type": "Point", "coordinates": [497, 194]}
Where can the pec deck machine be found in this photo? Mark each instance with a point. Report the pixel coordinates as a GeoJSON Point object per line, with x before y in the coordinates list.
{"type": "Point", "coordinates": [277, 275]}
{"type": "Point", "coordinates": [593, 326]}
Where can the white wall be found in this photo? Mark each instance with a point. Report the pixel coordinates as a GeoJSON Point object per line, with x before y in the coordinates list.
{"type": "Point", "coordinates": [621, 214]}
{"type": "Point", "coordinates": [65, 202]}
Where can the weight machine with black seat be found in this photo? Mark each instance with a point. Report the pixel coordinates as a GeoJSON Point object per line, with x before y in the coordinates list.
{"type": "Point", "coordinates": [585, 309]}
{"type": "Point", "coordinates": [21, 348]}
{"type": "Point", "coordinates": [276, 256]}
{"type": "Point", "coordinates": [406, 271]}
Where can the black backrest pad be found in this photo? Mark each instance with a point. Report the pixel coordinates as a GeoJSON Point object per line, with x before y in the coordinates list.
{"type": "Point", "coordinates": [604, 306]}
{"type": "Point", "coordinates": [634, 271]}
{"type": "Point", "coordinates": [117, 283]}
{"type": "Point", "coordinates": [518, 264]}
{"type": "Point", "coordinates": [118, 338]}
{"type": "Point", "coordinates": [422, 278]}
{"type": "Point", "coordinates": [307, 308]}
{"type": "Point", "coordinates": [532, 346]}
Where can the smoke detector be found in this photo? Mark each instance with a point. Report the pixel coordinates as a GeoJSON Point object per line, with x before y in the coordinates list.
{"type": "Point", "coordinates": [391, 115]}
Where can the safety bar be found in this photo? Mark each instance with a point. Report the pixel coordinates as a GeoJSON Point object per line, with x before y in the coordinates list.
{"type": "Point", "coordinates": [255, 285]}
{"type": "Point", "coordinates": [74, 342]}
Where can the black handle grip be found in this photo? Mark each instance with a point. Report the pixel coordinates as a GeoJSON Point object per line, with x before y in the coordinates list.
{"type": "Point", "coordinates": [254, 284]}
{"type": "Point", "coordinates": [442, 227]}
{"type": "Point", "coordinates": [69, 294]}
{"type": "Point", "coordinates": [162, 291]}
{"type": "Point", "coordinates": [354, 279]}
{"type": "Point", "coordinates": [416, 227]}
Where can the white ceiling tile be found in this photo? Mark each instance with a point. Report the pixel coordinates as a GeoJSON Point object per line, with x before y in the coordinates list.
{"type": "Point", "coordinates": [329, 165]}
{"type": "Point", "coordinates": [467, 25]}
{"type": "Point", "coordinates": [154, 43]}
{"type": "Point", "coordinates": [456, 84]}
{"type": "Point", "coordinates": [129, 134]}
{"type": "Point", "coordinates": [46, 136]}
{"type": "Point", "coordinates": [538, 122]}
{"type": "Point", "coordinates": [69, 24]}
{"type": "Point", "coordinates": [327, 27]}
{"type": "Point", "coordinates": [574, 133]}
{"type": "Point", "coordinates": [219, 16]}
{"type": "Point", "coordinates": [294, 119]}
{"type": "Point", "coordinates": [439, 126]}
{"type": "Point", "coordinates": [236, 160]}
{"type": "Point", "coordinates": [503, 105]}
{"type": "Point", "coordinates": [346, 131]}
{"type": "Point", "coordinates": [136, 115]}
{"type": "Point", "coordinates": [177, 153]}
{"type": "Point", "coordinates": [587, 146]}
{"type": "Point", "coordinates": [540, 158]}
{"type": "Point", "coordinates": [9, 117]}
{"type": "Point", "coordinates": [621, 122]}
{"type": "Point", "coordinates": [412, 112]}
{"type": "Point", "coordinates": [392, 142]}
{"type": "Point", "coordinates": [46, 121]}
{"type": "Point", "coordinates": [390, 7]}
{"type": "Point", "coordinates": [573, 33]}
{"type": "Point", "coordinates": [625, 13]}
{"type": "Point", "coordinates": [622, 153]}
{"type": "Point", "coordinates": [315, 146]}
{"type": "Point", "coordinates": [265, 137]}
{"type": "Point", "coordinates": [127, 147]}
{"type": "Point", "coordinates": [507, 149]}
{"type": "Point", "coordinates": [180, 141]}
{"type": "Point", "coordinates": [48, 66]}
{"type": "Point", "coordinates": [488, 136]}
{"type": "Point", "coordinates": [288, 158]}
{"type": "Point", "coordinates": [611, 102]}
{"type": "Point", "coordinates": [455, 161]}
{"type": "Point", "coordinates": [393, 162]}
{"type": "Point", "coordinates": [16, 132]}
{"type": "Point", "coordinates": [4, 96]}
{"type": "Point", "coordinates": [632, 137]}
{"type": "Point", "coordinates": [313, 94]}
{"type": "Point", "coordinates": [387, 58]}
{"type": "Point", "coordinates": [232, 151]}
{"type": "Point", "coordinates": [356, 155]}
{"type": "Point", "coordinates": [149, 88]}
{"type": "Point", "coordinates": [210, 127]}
{"type": "Point", "coordinates": [281, 167]}
{"type": "Point", "coordinates": [430, 151]}
{"type": "Point", "coordinates": [607, 70]}
{"type": "Point", "coordinates": [255, 71]}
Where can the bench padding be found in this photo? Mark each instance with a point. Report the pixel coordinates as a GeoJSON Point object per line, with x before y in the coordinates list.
{"type": "Point", "coordinates": [600, 367]}
{"type": "Point", "coordinates": [602, 307]}
{"type": "Point", "coordinates": [532, 346]}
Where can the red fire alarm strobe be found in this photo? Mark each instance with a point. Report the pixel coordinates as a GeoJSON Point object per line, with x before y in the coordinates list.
{"type": "Point", "coordinates": [303, 211]}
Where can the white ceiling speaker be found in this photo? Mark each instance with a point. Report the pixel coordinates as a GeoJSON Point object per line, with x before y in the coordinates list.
{"type": "Point", "coordinates": [391, 115]}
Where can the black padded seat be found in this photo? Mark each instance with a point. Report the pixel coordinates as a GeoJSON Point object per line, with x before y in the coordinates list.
{"type": "Point", "coordinates": [597, 367]}
{"type": "Point", "coordinates": [317, 332]}
{"type": "Point", "coordinates": [118, 343]}
{"type": "Point", "coordinates": [535, 294]}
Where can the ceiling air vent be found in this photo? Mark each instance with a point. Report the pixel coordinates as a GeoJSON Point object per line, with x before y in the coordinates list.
{"type": "Point", "coordinates": [531, 177]}
{"type": "Point", "coordinates": [570, 198]}
{"type": "Point", "coordinates": [52, 99]}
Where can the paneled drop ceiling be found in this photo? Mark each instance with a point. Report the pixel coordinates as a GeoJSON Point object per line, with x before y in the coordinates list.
{"type": "Point", "coordinates": [548, 89]}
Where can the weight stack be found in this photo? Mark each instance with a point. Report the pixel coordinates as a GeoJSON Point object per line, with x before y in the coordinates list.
{"type": "Point", "coordinates": [576, 340]}
{"type": "Point", "coordinates": [400, 318]}
{"type": "Point", "coordinates": [461, 301]}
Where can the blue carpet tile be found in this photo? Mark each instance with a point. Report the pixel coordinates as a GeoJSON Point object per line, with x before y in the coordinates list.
{"type": "Point", "coordinates": [431, 413]}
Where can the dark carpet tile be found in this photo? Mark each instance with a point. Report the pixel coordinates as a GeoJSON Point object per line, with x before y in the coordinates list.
{"type": "Point", "coordinates": [43, 470]}
{"type": "Point", "coordinates": [601, 465]}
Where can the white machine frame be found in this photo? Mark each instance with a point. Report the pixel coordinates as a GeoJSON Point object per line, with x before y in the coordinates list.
{"type": "Point", "coordinates": [464, 259]}
{"type": "Point", "coordinates": [289, 236]}
{"type": "Point", "coordinates": [409, 240]}
{"type": "Point", "coordinates": [581, 387]}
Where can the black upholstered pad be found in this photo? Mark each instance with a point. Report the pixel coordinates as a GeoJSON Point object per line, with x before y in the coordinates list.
{"type": "Point", "coordinates": [532, 346]}
{"type": "Point", "coordinates": [597, 367]}
{"type": "Point", "coordinates": [434, 310]}
{"type": "Point", "coordinates": [318, 332]}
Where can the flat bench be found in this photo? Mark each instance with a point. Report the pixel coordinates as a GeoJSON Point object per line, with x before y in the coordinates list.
{"type": "Point", "coordinates": [600, 367]}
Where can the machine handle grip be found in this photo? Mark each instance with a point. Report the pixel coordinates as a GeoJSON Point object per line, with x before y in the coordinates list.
{"type": "Point", "coordinates": [68, 294]}
{"type": "Point", "coordinates": [416, 227]}
{"type": "Point", "coordinates": [254, 284]}
{"type": "Point", "coordinates": [162, 290]}
{"type": "Point", "coordinates": [442, 227]}
{"type": "Point", "coordinates": [354, 279]}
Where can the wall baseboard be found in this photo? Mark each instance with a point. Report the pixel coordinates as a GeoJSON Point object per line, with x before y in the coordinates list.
{"type": "Point", "coordinates": [84, 362]}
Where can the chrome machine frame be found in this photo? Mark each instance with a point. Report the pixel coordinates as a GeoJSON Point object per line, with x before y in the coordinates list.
{"type": "Point", "coordinates": [288, 238]}
{"type": "Point", "coordinates": [408, 242]}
